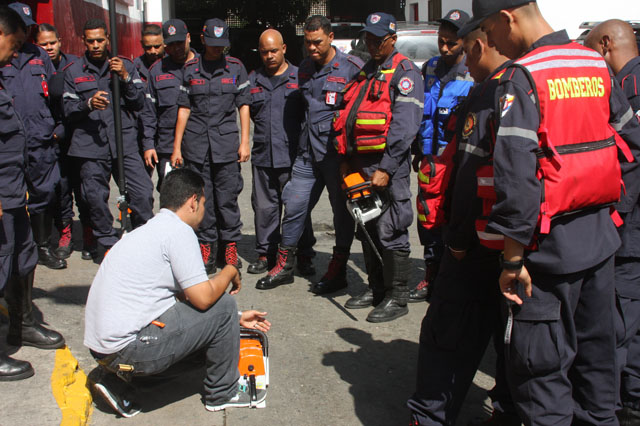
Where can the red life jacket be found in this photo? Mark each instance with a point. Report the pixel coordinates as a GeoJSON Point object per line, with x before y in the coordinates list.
{"type": "Point", "coordinates": [433, 181]}
{"type": "Point", "coordinates": [364, 123]}
{"type": "Point", "coordinates": [578, 165]}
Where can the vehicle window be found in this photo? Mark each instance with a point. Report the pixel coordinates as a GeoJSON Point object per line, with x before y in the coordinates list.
{"type": "Point", "coordinates": [418, 48]}
{"type": "Point", "coordinates": [346, 31]}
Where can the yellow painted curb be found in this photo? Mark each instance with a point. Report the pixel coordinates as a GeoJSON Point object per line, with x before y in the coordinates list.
{"type": "Point", "coordinates": [69, 387]}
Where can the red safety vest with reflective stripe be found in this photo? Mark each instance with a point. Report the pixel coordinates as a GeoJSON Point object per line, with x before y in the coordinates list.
{"type": "Point", "coordinates": [577, 158]}
{"type": "Point", "coordinates": [364, 123]}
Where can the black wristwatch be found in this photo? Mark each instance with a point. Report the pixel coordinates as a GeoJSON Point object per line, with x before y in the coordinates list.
{"type": "Point", "coordinates": [510, 265]}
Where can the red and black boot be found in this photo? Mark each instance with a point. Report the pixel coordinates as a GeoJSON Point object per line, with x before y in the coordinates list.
{"type": "Point", "coordinates": [65, 242]}
{"type": "Point", "coordinates": [336, 276]}
{"type": "Point", "coordinates": [282, 273]}
{"type": "Point", "coordinates": [423, 290]}
{"type": "Point", "coordinates": [231, 255]}
{"type": "Point", "coordinates": [208, 252]}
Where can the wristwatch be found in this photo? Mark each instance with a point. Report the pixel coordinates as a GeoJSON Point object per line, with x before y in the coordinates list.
{"type": "Point", "coordinates": [511, 265]}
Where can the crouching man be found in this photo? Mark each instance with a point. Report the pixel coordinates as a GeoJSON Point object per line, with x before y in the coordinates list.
{"type": "Point", "coordinates": [151, 304]}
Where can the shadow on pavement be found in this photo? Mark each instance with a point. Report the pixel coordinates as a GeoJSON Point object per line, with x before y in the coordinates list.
{"type": "Point", "coordinates": [381, 374]}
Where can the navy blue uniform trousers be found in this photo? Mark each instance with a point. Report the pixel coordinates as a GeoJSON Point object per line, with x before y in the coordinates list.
{"type": "Point", "coordinates": [302, 193]}
{"type": "Point", "coordinates": [44, 174]}
{"type": "Point", "coordinates": [266, 200]}
{"type": "Point", "coordinates": [463, 315]}
{"type": "Point", "coordinates": [18, 254]}
{"type": "Point", "coordinates": [95, 176]}
{"type": "Point", "coordinates": [222, 185]}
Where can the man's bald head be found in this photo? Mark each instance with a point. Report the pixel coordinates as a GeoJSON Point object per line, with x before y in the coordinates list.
{"type": "Point", "coordinates": [615, 40]}
{"type": "Point", "coordinates": [272, 49]}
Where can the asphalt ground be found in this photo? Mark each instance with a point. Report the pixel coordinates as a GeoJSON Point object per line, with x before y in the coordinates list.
{"type": "Point", "coordinates": [328, 366]}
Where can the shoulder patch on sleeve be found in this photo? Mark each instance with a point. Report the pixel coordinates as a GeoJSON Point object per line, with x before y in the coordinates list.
{"type": "Point", "coordinates": [406, 85]}
{"type": "Point", "coordinates": [506, 102]}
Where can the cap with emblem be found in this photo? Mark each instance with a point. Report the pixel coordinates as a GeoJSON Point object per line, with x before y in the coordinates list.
{"type": "Point", "coordinates": [216, 32]}
{"type": "Point", "coordinates": [482, 9]}
{"type": "Point", "coordinates": [25, 13]}
{"type": "Point", "coordinates": [380, 24]}
{"type": "Point", "coordinates": [456, 17]}
{"type": "Point", "coordinates": [174, 30]}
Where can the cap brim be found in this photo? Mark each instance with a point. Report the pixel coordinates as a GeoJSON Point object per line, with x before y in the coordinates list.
{"type": "Point", "coordinates": [216, 42]}
{"type": "Point", "coordinates": [28, 21]}
{"type": "Point", "coordinates": [376, 31]}
{"type": "Point", "coordinates": [469, 27]}
{"type": "Point", "coordinates": [174, 38]}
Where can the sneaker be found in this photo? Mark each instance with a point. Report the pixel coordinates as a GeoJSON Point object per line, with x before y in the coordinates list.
{"type": "Point", "coordinates": [113, 391]}
{"type": "Point", "coordinates": [241, 399]}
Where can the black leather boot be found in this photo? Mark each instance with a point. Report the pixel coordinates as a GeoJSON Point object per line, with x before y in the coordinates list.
{"type": "Point", "coordinates": [24, 329]}
{"type": "Point", "coordinates": [336, 276]}
{"type": "Point", "coordinates": [282, 273]}
{"type": "Point", "coordinates": [89, 244]}
{"type": "Point", "coordinates": [304, 264]}
{"type": "Point", "coordinates": [259, 266]}
{"type": "Point", "coordinates": [65, 242]}
{"type": "Point", "coordinates": [208, 252]}
{"type": "Point", "coordinates": [13, 369]}
{"type": "Point", "coordinates": [231, 255]}
{"type": "Point", "coordinates": [396, 275]}
{"type": "Point", "coordinates": [423, 290]}
{"type": "Point", "coordinates": [41, 224]}
{"type": "Point", "coordinates": [375, 293]}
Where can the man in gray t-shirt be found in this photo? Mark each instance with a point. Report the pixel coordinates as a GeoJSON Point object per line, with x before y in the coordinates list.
{"type": "Point", "coordinates": [151, 304]}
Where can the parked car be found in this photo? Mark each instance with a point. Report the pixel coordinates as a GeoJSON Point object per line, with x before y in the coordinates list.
{"type": "Point", "coordinates": [344, 33]}
{"type": "Point", "coordinates": [418, 41]}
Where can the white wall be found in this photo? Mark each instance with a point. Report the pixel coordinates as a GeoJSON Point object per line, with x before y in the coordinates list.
{"type": "Point", "coordinates": [569, 14]}
{"type": "Point", "coordinates": [423, 11]}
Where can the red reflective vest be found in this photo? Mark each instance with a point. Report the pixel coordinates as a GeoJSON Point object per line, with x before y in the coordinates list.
{"type": "Point", "coordinates": [364, 123]}
{"type": "Point", "coordinates": [578, 165]}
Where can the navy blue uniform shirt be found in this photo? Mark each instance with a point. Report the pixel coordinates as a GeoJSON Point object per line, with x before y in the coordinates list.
{"type": "Point", "coordinates": [213, 92]}
{"type": "Point", "coordinates": [13, 145]}
{"type": "Point", "coordinates": [629, 79]}
{"type": "Point", "coordinates": [277, 113]}
{"type": "Point", "coordinates": [474, 137]}
{"type": "Point", "coordinates": [27, 79]}
{"type": "Point", "coordinates": [406, 112]}
{"type": "Point", "coordinates": [161, 106]}
{"type": "Point", "coordinates": [93, 133]}
{"type": "Point", "coordinates": [143, 69]}
{"type": "Point", "coordinates": [575, 242]}
{"type": "Point", "coordinates": [56, 89]}
{"type": "Point", "coordinates": [321, 89]}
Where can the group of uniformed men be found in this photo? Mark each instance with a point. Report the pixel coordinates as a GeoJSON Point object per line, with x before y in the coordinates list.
{"type": "Point", "coordinates": [538, 132]}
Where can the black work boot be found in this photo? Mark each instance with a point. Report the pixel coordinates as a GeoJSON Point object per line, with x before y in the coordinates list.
{"type": "Point", "coordinates": [396, 275]}
{"type": "Point", "coordinates": [336, 276]}
{"type": "Point", "coordinates": [89, 244]}
{"type": "Point", "coordinates": [13, 369]}
{"type": "Point", "coordinates": [628, 417]}
{"type": "Point", "coordinates": [423, 290]}
{"type": "Point", "coordinates": [282, 273]}
{"type": "Point", "coordinates": [231, 255]}
{"type": "Point", "coordinates": [41, 224]}
{"type": "Point", "coordinates": [65, 242]}
{"type": "Point", "coordinates": [259, 266]}
{"type": "Point", "coordinates": [375, 293]}
{"type": "Point", "coordinates": [208, 252]}
{"type": "Point", "coordinates": [24, 329]}
{"type": "Point", "coordinates": [304, 264]}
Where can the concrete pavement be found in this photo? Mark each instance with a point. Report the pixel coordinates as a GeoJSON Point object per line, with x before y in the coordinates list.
{"type": "Point", "coordinates": [328, 366]}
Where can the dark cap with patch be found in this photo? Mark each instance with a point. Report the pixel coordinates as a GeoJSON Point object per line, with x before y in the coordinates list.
{"type": "Point", "coordinates": [216, 33]}
{"type": "Point", "coordinates": [456, 17]}
{"type": "Point", "coordinates": [25, 13]}
{"type": "Point", "coordinates": [174, 30]}
{"type": "Point", "coordinates": [482, 9]}
{"type": "Point", "coordinates": [380, 24]}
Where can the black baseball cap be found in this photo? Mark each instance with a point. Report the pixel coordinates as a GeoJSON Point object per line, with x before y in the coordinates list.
{"type": "Point", "coordinates": [380, 24]}
{"type": "Point", "coordinates": [482, 9]}
{"type": "Point", "coordinates": [216, 32]}
{"type": "Point", "coordinates": [174, 30]}
{"type": "Point", "coordinates": [25, 13]}
{"type": "Point", "coordinates": [456, 17]}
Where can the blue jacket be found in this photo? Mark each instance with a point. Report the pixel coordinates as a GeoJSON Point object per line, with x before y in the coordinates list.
{"type": "Point", "coordinates": [26, 78]}
{"type": "Point", "coordinates": [443, 91]}
{"type": "Point", "coordinates": [92, 131]}
{"type": "Point", "coordinates": [322, 94]}
{"type": "Point", "coordinates": [56, 90]}
{"type": "Point", "coordinates": [13, 144]}
{"type": "Point", "coordinates": [213, 95]}
{"type": "Point", "coordinates": [277, 115]}
{"type": "Point", "coordinates": [161, 105]}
